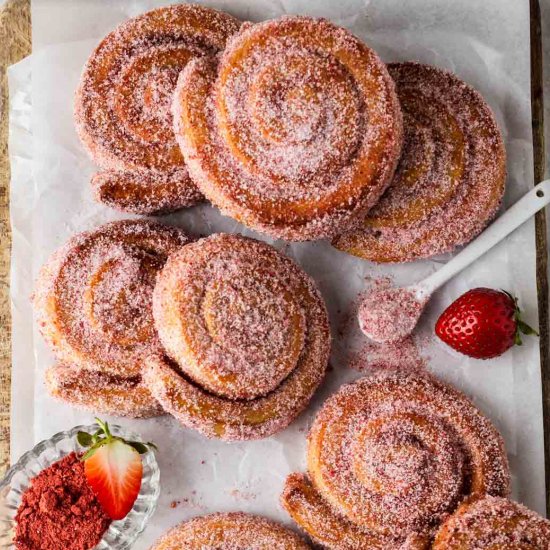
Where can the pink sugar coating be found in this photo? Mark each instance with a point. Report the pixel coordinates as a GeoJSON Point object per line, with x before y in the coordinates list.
{"type": "Point", "coordinates": [389, 314]}
{"type": "Point", "coordinates": [392, 356]}
{"type": "Point", "coordinates": [449, 440]}
{"type": "Point", "coordinates": [114, 264]}
{"type": "Point", "coordinates": [234, 530]}
{"type": "Point", "coordinates": [318, 135]}
{"type": "Point", "coordinates": [372, 356]}
{"type": "Point", "coordinates": [494, 522]}
{"type": "Point", "coordinates": [331, 530]}
{"type": "Point", "coordinates": [248, 334]}
{"type": "Point", "coordinates": [101, 393]}
{"type": "Point", "coordinates": [118, 95]}
{"type": "Point", "coordinates": [155, 30]}
{"type": "Point", "coordinates": [263, 303]}
{"type": "Point", "coordinates": [145, 191]}
{"type": "Point", "coordinates": [432, 206]}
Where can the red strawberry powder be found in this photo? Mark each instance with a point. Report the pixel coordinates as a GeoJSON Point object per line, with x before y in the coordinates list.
{"type": "Point", "coordinates": [59, 511]}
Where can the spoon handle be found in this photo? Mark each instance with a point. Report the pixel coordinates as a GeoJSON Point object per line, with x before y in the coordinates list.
{"type": "Point", "coordinates": [516, 215]}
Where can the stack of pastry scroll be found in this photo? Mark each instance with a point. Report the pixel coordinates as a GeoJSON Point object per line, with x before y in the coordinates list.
{"type": "Point", "coordinates": [297, 129]}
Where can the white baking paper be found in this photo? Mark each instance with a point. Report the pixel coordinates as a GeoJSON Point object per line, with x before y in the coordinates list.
{"type": "Point", "coordinates": [485, 43]}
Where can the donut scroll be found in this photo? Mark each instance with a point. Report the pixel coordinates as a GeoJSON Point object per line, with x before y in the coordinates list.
{"type": "Point", "coordinates": [122, 105]}
{"type": "Point", "coordinates": [389, 458]}
{"type": "Point", "coordinates": [234, 530]}
{"type": "Point", "coordinates": [492, 523]}
{"type": "Point", "coordinates": [295, 130]}
{"type": "Point", "coordinates": [93, 304]}
{"type": "Point", "coordinates": [450, 178]}
{"type": "Point", "coordinates": [246, 334]}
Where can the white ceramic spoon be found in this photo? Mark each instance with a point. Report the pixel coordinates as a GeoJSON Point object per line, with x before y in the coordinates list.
{"type": "Point", "coordinates": [388, 315]}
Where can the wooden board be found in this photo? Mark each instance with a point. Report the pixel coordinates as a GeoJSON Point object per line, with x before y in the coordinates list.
{"type": "Point", "coordinates": [15, 43]}
{"type": "Point", "coordinates": [539, 170]}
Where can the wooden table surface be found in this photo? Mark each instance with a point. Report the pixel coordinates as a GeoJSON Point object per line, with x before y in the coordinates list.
{"type": "Point", "coordinates": [541, 231]}
{"type": "Point", "coordinates": [15, 44]}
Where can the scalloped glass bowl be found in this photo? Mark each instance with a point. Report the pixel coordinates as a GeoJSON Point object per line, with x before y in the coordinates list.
{"type": "Point", "coordinates": [121, 534]}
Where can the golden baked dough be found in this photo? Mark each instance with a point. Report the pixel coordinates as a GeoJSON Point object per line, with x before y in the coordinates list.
{"type": "Point", "coordinates": [93, 302]}
{"type": "Point", "coordinates": [230, 531]}
{"type": "Point", "coordinates": [315, 516]}
{"type": "Point", "coordinates": [450, 179]}
{"type": "Point", "coordinates": [388, 458]}
{"type": "Point", "coordinates": [295, 130]}
{"type": "Point", "coordinates": [100, 392]}
{"type": "Point", "coordinates": [122, 108]}
{"type": "Point", "coordinates": [247, 333]}
{"type": "Point", "coordinates": [492, 523]}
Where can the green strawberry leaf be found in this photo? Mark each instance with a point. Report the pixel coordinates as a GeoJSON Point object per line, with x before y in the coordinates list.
{"type": "Point", "coordinates": [521, 326]}
{"type": "Point", "coordinates": [84, 439]}
{"type": "Point", "coordinates": [104, 427]}
{"type": "Point", "coordinates": [141, 448]}
{"type": "Point", "coordinates": [102, 436]}
{"type": "Point", "coordinates": [526, 329]}
{"type": "Point", "coordinates": [97, 436]}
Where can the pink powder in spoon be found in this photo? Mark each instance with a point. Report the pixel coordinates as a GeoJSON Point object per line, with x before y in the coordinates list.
{"type": "Point", "coordinates": [389, 314]}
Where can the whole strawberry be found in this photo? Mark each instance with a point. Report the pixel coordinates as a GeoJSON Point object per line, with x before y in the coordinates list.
{"type": "Point", "coordinates": [482, 323]}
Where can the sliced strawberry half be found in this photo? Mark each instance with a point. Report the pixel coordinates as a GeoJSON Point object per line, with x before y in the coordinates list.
{"type": "Point", "coordinates": [113, 469]}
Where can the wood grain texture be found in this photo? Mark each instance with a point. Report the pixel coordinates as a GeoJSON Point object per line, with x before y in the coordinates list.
{"type": "Point", "coordinates": [539, 170]}
{"type": "Point", "coordinates": [15, 44]}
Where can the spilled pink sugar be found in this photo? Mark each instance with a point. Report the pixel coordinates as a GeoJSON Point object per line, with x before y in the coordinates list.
{"type": "Point", "coordinates": [389, 314]}
{"type": "Point", "coordinates": [393, 356]}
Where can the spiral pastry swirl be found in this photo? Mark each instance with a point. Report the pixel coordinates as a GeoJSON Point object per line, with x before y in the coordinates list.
{"type": "Point", "coordinates": [493, 523]}
{"type": "Point", "coordinates": [247, 334]}
{"type": "Point", "coordinates": [295, 130]}
{"type": "Point", "coordinates": [230, 531]}
{"type": "Point", "coordinates": [122, 108]}
{"type": "Point", "coordinates": [93, 303]}
{"type": "Point", "coordinates": [450, 179]}
{"type": "Point", "coordinates": [388, 458]}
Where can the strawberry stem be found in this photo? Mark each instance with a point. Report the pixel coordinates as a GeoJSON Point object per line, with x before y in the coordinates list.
{"type": "Point", "coordinates": [105, 427]}
{"type": "Point", "coordinates": [526, 329]}
{"type": "Point", "coordinates": [103, 436]}
{"type": "Point", "coordinates": [521, 326]}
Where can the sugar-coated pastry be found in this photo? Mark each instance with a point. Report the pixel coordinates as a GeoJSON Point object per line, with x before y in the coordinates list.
{"type": "Point", "coordinates": [93, 303]}
{"type": "Point", "coordinates": [247, 334]}
{"type": "Point", "coordinates": [388, 458]}
{"type": "Point", "coordinates": [101, 392]}
{"type": "Point", "coordinates": [230, 531]}
{"type": "Point", "coordinates": [122, 107]}
{"type": "Point", "coordinates": [450, 179]}
{"type": "Point", "coordinates": [295, 130]}
{"type": "Point", "coordinates": [492, 523]}
{"type": "Point", "coordinates": [317, 518]}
